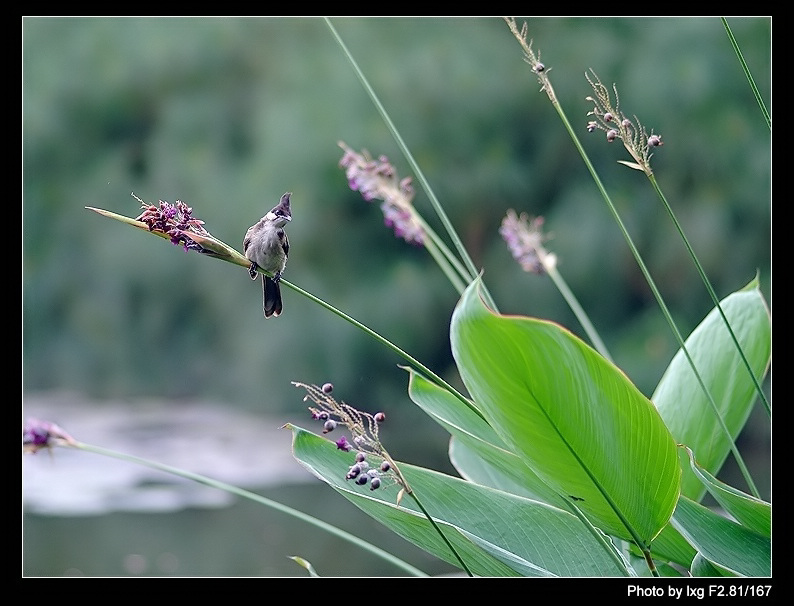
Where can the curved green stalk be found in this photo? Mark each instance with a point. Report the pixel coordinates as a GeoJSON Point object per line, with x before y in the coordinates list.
{"type": "Point", "coordinates": [657, 295]}
{"type": "Point", "coordinates": [438, 530]}
{"type": "Point", "coordinates": [403, 354]}
{"type": "Point", "coordinates": [321, 524]}
{"type": "Point", "coordinates": [464, 255]}
{"type": "Point", "coordinates": [580, 314]}
{"type": "Point", "coordinates": [549, 90]}
{"type": "Point", "coordinates": [713, 297]}
{"type": "Point", "coordinates": [224, 252]}
{"type": "Point", "coordinates": [743, 63]}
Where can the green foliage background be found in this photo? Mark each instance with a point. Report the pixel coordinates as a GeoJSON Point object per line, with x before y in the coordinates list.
{"type": "Point", "coordinates": [228, 114]}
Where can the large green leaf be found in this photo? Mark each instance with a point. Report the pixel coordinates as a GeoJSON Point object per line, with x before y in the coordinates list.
{"type": "Point", "coordinates": [570, 415]}
{"type": "Point", "coordinates": [496, 533]}
{"type": "Point", "coordinates": [722, 542]}
{"type": "Point", "coordinates": [480, 456]}
{"type": "Point", "coordinates": [680, 399]}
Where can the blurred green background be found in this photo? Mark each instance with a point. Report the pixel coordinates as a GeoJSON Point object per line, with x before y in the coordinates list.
{"type": "Point", "coordinates": [227, 114]}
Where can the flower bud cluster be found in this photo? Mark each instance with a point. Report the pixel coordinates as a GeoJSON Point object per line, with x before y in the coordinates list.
{"type": "Point", "coordinates": [609, 119]}
{"type": "Point", "coordinates": [531, 57]}
{"type": "Point", "coordinates": [362, 473]}
{"type": "Point", "coordinates": [364, 428]}
{"type": "Point", "coordinates": [173, 220]}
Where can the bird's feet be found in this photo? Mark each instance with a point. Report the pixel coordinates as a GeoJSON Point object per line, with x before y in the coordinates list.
{"type": "Point", "coordinates": [252, 270]}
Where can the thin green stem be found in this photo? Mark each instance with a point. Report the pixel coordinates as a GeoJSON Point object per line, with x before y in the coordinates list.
{"type": "Point", "coordinates": [711, 292]}
{"type": "Point", "coordinates": [549, 90]}
{"type": "Point", "coordinates": [601, 538]}
{"type": "Point", "coordinates": [472, 272]}
{"type": "Point", "coordinates": [448, 263]}
{"type": "Point", "coordinates": [403, 354]}
{"type": "Point", "coordinates": [438, 530]}
{"type": "Point", "coordinates": [579, 312]}
{"type": "Point", "coordinates": [230, 255]}
{"type": "Point", "coordinates": [321, 524]}
{"type": "Point", "coordinates": [750, 80]}
{"type": "Point", "coordinates": [657, 295]}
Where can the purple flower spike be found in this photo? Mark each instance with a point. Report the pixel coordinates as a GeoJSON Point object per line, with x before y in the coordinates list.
{"type": "Point", "coordinates": [377, 179]}
{"type": "Point", "coordinates": [525, 241]}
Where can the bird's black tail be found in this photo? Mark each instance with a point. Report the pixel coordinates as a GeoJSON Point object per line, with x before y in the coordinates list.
{"type": "Point", "coordinates": [271, 297]}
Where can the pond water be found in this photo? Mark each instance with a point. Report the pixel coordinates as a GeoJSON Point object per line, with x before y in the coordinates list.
{"type": "Point", "coordinates": [91, 515]}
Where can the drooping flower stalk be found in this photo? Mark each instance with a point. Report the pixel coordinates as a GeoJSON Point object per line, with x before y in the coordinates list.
{"type": "Point", "coordinates": [365, 430]}
{"type": "Point", "coordinates": [378, 179]}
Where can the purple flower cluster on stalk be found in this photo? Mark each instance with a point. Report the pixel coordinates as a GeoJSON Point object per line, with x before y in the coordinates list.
{"type": "Point", "coordinates": [173, 220]}
{"type": "Point", "coordinates": [525, 241]}
{"type": "Point", "coordinates": [38, 434]}
{"type": "Point", "coordinates": [377, 179]}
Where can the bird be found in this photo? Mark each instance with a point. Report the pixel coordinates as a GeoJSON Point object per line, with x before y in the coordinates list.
{"type": "Point", "coordinates": [266, 246]}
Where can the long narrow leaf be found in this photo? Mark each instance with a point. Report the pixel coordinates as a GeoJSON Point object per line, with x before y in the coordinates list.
{"type": "Point", "coordinates": [753, 513]}
{"type": "Point", "coordinates": [681, 401]}
{"type": "Point", "coordinates": [722, 542]}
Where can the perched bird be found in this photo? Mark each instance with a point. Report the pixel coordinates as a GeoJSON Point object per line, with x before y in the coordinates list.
{"type": "Point", "coordinates": [267, 247]}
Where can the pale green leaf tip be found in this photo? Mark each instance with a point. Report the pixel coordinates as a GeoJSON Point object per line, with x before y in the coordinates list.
{"type": "Point", "coordinates": [475, 288]}
{"type": "Point", "coordinates": [118, 217]}
{"type": "Point", "coordinates": [305, 564]}
{"type": "Point", "coordinates": [633, 165]}
{"type": "Point", "coordinates": [754, 284]}
{"type": "Point", "coordinates": [412, 373]}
